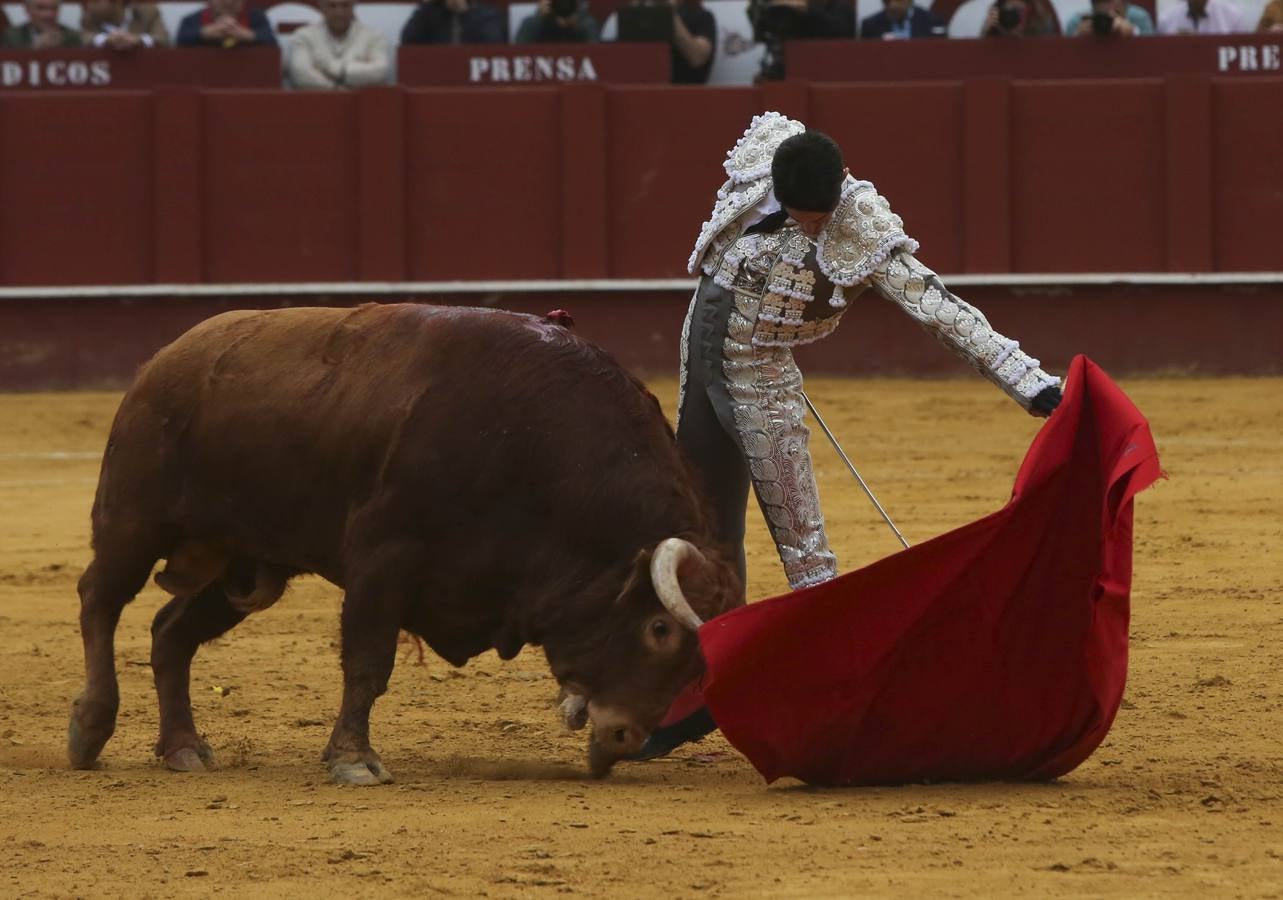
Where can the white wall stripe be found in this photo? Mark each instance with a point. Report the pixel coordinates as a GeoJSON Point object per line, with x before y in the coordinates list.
{"type": "Point", "coordinates": [604, 285]}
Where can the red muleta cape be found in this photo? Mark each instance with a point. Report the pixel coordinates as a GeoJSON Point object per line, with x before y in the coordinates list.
{"type": "Point", "coordinates": [995, 651]}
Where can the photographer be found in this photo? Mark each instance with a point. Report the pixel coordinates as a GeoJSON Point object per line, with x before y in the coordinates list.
{"type": "Point", "coordinates": [777, 21]}
{"type": "Point", "coordinates": [455, 22]}
{"type": "Point", "coordinates": [693, 43]}
{"type": "Point", "coordinates": [1021, 18]}
{"type": "Point", "coordinates": [558, 22]}
{"type": "Point", "coordinates": [1111, 18]}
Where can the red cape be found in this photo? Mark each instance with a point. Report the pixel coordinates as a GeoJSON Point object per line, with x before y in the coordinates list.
{"type": "Point", "coordinates": [995, 651]}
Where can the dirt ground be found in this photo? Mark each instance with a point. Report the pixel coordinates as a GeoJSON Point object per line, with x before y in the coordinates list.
{"type": "Point", "coordinates": [1184, 797]}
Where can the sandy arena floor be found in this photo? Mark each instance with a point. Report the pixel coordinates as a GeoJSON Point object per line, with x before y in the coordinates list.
{"type": "Point", "coordinates": [1184, 798]}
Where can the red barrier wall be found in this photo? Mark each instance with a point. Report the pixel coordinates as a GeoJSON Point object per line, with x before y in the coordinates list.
{"type": "Point", "coordinates": [1196, 329]}
{"type": "Point", "coordinates": [1177, 174]}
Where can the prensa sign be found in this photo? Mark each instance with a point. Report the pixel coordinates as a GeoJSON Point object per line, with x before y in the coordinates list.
{"type": "Point", "coordinates": [544, 64]}
{"type": "Point", "coordinates": [507, 69]}
{"type": "Point", "coordinates": [1249, 58]}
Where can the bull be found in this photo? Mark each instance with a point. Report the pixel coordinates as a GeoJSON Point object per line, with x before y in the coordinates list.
{"type": "Point", "coordinates": [481, 479]}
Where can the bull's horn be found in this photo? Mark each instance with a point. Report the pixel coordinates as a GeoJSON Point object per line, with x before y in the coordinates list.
{"type": "Point", "coordinates": [668, 558]}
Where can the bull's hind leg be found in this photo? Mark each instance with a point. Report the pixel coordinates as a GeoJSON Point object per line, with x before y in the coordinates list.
{"type": "Point", "coordinates": [370, 628]}
{"type": "Point", "coordinates": [180, 627]}
{"type": "Point", "coordinates": [113, 579]}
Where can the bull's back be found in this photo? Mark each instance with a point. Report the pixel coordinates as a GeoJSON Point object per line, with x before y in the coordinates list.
{"type": "Point", "coordinates": [276, 424]}
{"type": "Point", "coordinates": [272, 421]}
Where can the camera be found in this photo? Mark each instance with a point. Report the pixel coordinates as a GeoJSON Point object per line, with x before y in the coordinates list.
{"type": "Point", "coordinates": [1010, 16]}
{"type": "Point", "coordinates": [777, 23]}
{"type": "Point", "coordinates": [564, 9]}
{"type": "Point", "coordinates": [1102, 24]}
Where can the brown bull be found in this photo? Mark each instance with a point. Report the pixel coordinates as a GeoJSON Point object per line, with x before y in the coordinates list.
{"type": "Point", "coordinates": [482, 479]}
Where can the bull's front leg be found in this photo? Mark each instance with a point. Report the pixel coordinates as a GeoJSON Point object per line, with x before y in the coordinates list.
{"type": "Point", "coordinates": [370, 625]}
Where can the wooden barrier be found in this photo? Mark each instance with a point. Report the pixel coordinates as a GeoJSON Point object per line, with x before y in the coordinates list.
{"type": "Point", "coordinates": [585, 181]}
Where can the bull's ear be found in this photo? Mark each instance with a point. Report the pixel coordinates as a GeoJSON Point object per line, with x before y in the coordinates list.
{"type": "Point", "coordinates": [637, 580]}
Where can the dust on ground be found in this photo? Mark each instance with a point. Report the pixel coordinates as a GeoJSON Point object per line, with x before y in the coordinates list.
{"type": "Point", "coordinates": [491, 799]}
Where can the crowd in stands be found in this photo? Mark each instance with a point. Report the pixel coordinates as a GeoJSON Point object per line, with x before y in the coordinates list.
{"type": "Point", "coordinates": [339, 51]}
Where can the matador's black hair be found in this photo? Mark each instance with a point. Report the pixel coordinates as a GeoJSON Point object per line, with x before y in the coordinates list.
{"type": "Point", "coordinates": [807, 171]}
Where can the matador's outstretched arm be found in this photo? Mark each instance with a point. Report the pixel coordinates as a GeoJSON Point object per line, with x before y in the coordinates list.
{"type": "Point", "coordinates": [964, 330]}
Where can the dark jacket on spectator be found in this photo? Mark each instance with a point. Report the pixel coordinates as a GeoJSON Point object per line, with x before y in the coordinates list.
{"type": "Point", "coordinates": [537, 29]}
{"type": "Point", "coordinates": [432, 23]}
{"type": "Point", "coordinates": [921, 24]}
{"type": "Point", "coordinates": [823, 19]}
{"type": "Point", "coordinates": [188, 34]}
{"type": "Point", "coordinates": [20, 36]}
{"type": "Point", "coordinates": [700, 23]}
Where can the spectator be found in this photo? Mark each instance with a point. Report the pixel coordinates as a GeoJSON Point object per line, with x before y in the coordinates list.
{"type": "Point", "coordinates": [42, 30]}
{"type": "Point", "coordinates": [901, 19]}
{"type": "Point", "coordinates": [559, 22]}
{"type": "Point", "coordinates": [1021, 18]}
{"type": "Point", "coordinates": [122, 25]}
{"type": "Point", "coordinates": [1272, 17]}
{"type": "Point", "coordinates": [454, 22]}
{"type": "Point", "coordinates": [777, 21]}
{"type": "Point", "coordinates": [225, 23]}
{"type": "Point", "coordinates": [693, 41]}
{"type": "Point", "coordinates": [338, 51]}
{"type": "Point", "coordinates": [1108, 17]}
{"type": "Point", "coordinates": [1201, 17]}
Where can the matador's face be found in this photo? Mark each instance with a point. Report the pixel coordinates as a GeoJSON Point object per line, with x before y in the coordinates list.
{"type": "Point", "coordinates": [810, 223]}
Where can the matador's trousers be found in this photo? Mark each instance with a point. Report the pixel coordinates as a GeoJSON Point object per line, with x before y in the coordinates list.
{"type": "Point", "coordinates": [739, 420]}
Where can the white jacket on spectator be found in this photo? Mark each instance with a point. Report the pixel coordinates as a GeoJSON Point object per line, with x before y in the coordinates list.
{"type": "Point", "coordinates": [315, 58]}
{"type": "Point", "coordinates": [1214, 17]}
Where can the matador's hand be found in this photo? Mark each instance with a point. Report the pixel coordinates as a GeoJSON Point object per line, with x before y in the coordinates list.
{"type": "Point", "coordinates": [1045, 401]}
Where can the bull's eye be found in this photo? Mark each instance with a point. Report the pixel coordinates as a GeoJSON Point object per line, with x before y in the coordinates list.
{"type": "Point", "coordinates": [661, 635]}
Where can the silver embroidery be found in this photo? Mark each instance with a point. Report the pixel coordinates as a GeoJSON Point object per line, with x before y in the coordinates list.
{"type": "Point", "coordinates": [733, 201]}
{"type": "Point", "coordinates": [685, 357]}
{"type": "Point", "coordinates": [766, 387]}
{"type": "Point", "coordinates": [752, 155]}
{"type": "Point", "coordinates": [860, 235]}
{"type": "Point", "coordinates": [960, 327]}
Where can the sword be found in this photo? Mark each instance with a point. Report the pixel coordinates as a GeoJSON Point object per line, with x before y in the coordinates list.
{"type": "Point", "coordinates": [838, 447]}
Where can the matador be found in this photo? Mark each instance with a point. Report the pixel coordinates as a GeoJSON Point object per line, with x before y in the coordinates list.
{"type": "Point", "coordinates": [792, 241]}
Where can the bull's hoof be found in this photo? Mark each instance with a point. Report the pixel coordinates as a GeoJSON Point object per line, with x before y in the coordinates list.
{"type": "Point", "coordinates": [361, 772]}
{"type": "Point", "coordinates": [88, 731]}
{"type": "Point", "coordinates": [191, 759]}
